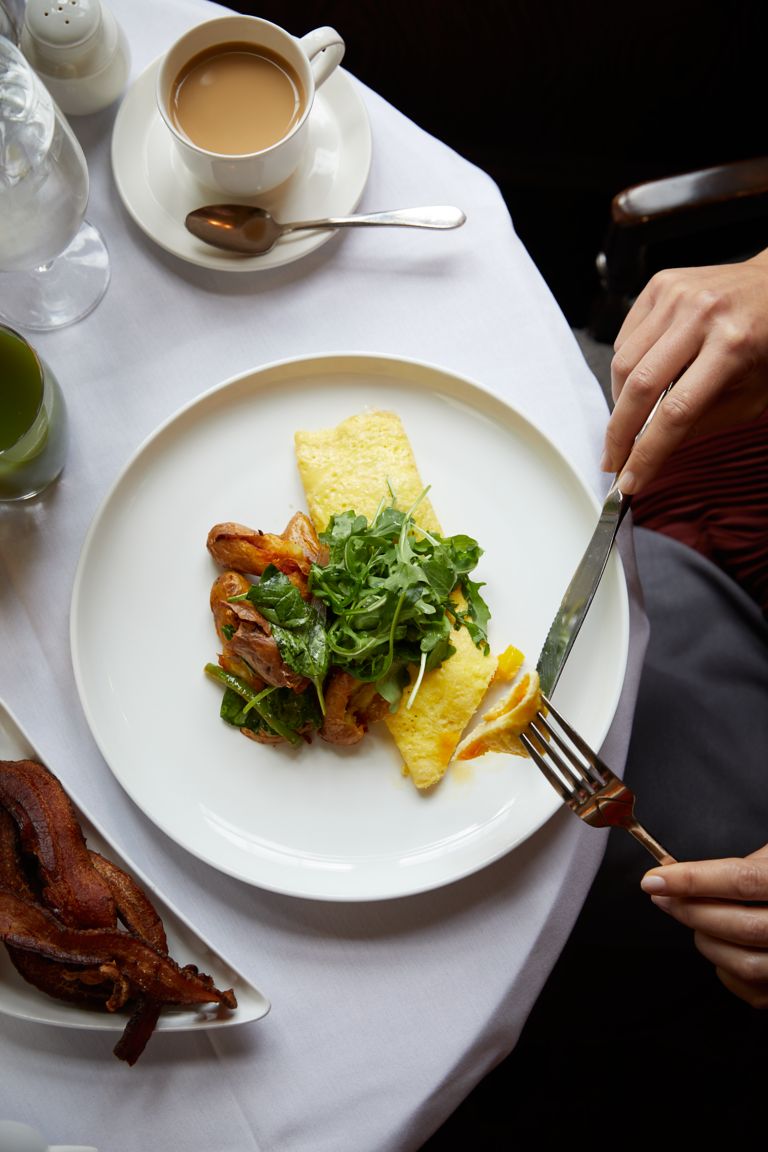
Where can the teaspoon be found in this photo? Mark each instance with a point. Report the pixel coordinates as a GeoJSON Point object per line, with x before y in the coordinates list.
{"type": "Point", "coordinates": [254, 231]}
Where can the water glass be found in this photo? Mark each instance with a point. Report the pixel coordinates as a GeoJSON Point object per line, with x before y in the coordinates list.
{"type": "Point", "coordinates": [33, 422]}
{"type": "Point", "coordinates": [54, 266]}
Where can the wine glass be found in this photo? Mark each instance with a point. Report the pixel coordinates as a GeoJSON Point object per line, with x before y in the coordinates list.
{"type": "Point", "coordinates": [54, 267]}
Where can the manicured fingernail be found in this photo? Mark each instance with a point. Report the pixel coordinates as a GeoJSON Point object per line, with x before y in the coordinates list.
{"type": "Point", "coordinates": [627, 483]}
{"type": "Point", "coordinates": [653, 884]}
{"type": "Point", "coordinates": [662, 902]}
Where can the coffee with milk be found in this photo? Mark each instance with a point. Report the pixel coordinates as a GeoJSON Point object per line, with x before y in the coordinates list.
{"type": "Point", "coordinates": [237, 98]}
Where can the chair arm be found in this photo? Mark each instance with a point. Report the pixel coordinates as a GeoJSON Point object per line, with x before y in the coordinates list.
{"type": "Point", "coordinates": [727, 197]}
{"type": "Point", "coordinates": [709, 197]}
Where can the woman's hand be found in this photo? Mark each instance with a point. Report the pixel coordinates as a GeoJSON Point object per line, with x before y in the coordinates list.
{"type": "Point", "coordinates": [725, 902]}
{"type": "Point", "coordinates": [706, 328]}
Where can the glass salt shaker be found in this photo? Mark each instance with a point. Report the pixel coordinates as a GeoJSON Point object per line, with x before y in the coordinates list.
{"type": "Point", "coordinates": [78, 50]}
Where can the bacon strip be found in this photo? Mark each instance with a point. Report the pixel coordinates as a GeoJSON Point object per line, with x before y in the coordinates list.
{"type": "Point", "coordinates": [85, 958]}
{"type": "Point", "coordinates": [122, 957]}
{"type": "Point", "coordinates": [49, 830]}
{"type": "Point", "coordinates": [12, 872]}
{"type": "Point", "coordinates": [138, 1030]}
{"type": "Point", "coordinates": [134, 909]}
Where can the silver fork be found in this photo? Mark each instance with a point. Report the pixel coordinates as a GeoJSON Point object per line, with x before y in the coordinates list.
{"type": "Point", "coordinates": [586, 784]}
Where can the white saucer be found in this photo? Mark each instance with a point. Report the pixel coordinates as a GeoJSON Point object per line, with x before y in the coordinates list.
{"type": "Point", "coordinates": [158, 191]}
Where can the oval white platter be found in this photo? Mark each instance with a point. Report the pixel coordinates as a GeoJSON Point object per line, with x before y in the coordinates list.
{"type": "Point", "coordinates": [22, 1000]}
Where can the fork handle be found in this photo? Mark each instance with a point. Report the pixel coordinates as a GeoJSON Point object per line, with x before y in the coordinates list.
{"type": "Point", "coordinates": [659, 854]}
{"type": "Point", "coordinates": [614, 806]}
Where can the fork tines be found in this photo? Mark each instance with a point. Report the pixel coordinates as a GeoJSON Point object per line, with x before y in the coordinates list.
{"type": "Point", "coordinates": [586, 784]}
{"type": "Point", "coordinates": [567, 761]}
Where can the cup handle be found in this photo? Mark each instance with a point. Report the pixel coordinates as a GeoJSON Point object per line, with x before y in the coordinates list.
{"type": "Point", "coordinates": [325, 49]}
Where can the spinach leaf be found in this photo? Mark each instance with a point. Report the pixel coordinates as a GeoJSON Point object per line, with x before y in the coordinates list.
{"type": "Point", "coordinates": [273, 710]}
{"type": "Point", "coordinates": [278, 600]}
{"type": "Point", "coordinates": [297, 626]}
{"type": "Point", "coordinates": [245, 708]}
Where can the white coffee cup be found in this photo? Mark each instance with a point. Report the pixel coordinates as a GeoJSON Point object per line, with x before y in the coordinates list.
{"type": "Point", "coordinates": [312, 58]}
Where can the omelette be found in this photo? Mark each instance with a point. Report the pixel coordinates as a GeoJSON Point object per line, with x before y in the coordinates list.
{"type": "Point", "coordinates": [356, 465]}
{"type": "Point", "coordinates": [499, 729]}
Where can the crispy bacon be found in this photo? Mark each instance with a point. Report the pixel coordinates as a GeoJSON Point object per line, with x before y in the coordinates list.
{"type": "Point", "coordinates": [134, 909]}
{"type": "Point", "coordinates": [78, 960]}
{"type": "Point", "coordinates": [12, 871]}
{"type": "Point", "coordinates": [49, 831]}
{"type": "Point", "coordinates": [128, 963]}
{"type": "Point", "coordinates": [138, 1030]}
{"type": "Point", "coordinates": [76, 984]}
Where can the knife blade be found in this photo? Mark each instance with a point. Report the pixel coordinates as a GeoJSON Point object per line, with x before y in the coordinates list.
{"type": "Point", "coordinates": [581, 591]}
{"type": "Point", "coordinates": [586, 579]}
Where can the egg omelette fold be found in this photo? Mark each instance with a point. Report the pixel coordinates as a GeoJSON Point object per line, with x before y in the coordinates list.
{"type": "Point", "coordinates": [354, 465]}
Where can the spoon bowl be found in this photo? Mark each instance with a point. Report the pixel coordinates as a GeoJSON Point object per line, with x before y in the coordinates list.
{"type": "Point", "coordinates": [252, 231]}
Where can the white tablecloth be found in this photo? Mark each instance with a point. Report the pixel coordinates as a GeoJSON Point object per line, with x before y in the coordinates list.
{"type": "Point", "coordinates": [360, 1050]}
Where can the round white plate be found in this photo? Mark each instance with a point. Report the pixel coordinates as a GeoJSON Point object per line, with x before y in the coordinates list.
{"type": "Point", "coordinates": [323, 822]}
{"type": "Point", "coordinates": [158, 191]}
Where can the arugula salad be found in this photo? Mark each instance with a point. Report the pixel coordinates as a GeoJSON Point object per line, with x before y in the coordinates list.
{"type": "Point", "coordinates": [330, 645]}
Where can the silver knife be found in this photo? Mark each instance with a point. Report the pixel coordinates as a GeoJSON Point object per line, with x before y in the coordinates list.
{"type": "Point", "coordinates": [586, 579]}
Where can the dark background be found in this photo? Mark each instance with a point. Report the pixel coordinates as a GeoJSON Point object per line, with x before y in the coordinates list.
{"type": "Point", "coordinates": [563, 102]}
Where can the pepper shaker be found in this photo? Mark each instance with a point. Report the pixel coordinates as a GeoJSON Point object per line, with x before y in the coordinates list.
{"type": "Point", "coordinates": [78, 50]}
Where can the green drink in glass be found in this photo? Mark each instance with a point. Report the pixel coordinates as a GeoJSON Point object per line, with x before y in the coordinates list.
{"type": "Point", "coordinates": [33, 425]}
